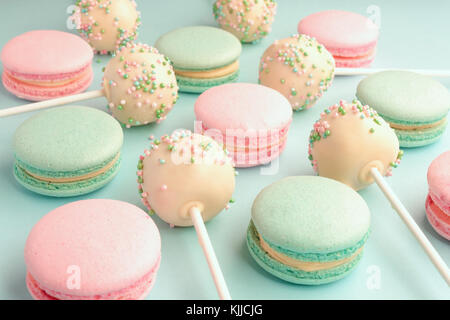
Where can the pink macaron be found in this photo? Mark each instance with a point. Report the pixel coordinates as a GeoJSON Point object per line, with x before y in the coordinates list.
{"type": "Point", "coordinates": [94, 249]}
{"type": "Point", "coordinates": [45, 64]}
{"type": "Point", "coordinates": [350, 37]}
{"type": "Point", "coordinates": [437, 204]}
{"type": "Point", "coordinates": [251, 120]}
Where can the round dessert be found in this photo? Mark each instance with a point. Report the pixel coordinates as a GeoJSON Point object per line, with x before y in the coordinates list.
{"type": "Point", "coordinates": [203, 57]}
{"type": "Point", "coordinates": [438, 201]}
{"type": "Point", "coordinates": [140, 85]}
{"type": "Point", "coordinates": [299, 68]}
{"type": "Point", "coordinates": [45, 64]}
{"type": "Point", "coordinates": [349, 140]}
{"type": "Point", "coordinates": [415, 106]}
{"type": "Point", "coordinates": [107, 24]}
{"type": "Point", "coordinates": [350, 37]}
{"type": "Point", "coordinates": [251, 120]}
{"type": "Point", "coordinates": [67, 151]}
{"type": "Point", "coordinates": [308, 230]}
{"type": "Point", "coordinates": [95, 249]}
{"type": "Point", "coordinates": [248, 20]}
{"type": "Point", "coordinates": [182, 171]}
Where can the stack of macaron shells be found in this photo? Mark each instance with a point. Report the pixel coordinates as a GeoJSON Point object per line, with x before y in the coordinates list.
{"type": "Point", "coordinates": [348, 140]}
{"type": "Point", "coordinates": [202, 56]}
{"type": "Point", "coordinates": [140, 85]}
{"type": "Point", "coordinates": [350, 37]}
{"type": "Point", "coordinates": [303, 235]}
{"type": "Point", "coordinates": [95, 249]}
{"type": "Point", "coordinates": [67, 151]}
{"type": "Point", "coordinates": [438, 201]}
{"type": "Point", "coordinates": [107, 24]}
{"type": "Point", "coordinates": [251, 120]}
{"type": "Point", "coordinates": [414, 105]}
{"type": "Point", "coordinates": [45, 64]}
{"type": "Point", "coordinates": [248, 20]}
{"type": "Point", "coordinates": [298, 67]}
{"type": "Point", "coordinates": [183, 170]}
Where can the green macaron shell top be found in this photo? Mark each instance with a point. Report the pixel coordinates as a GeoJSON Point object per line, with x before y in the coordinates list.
{"type": "Point", "coordinates": [295, 275]}
{"type": "Point", "coordinates": [311, 218]}
{"type": "Point", "coordinates": [67, 141]}
{"type": "Point", "coordinates": [404, 97]}
{"type": "Point", "coordinates": [199, 48]}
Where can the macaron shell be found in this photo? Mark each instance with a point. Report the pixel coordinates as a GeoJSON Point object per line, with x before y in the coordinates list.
{"type": "Point", "coordinates": [295, 213]}
{"type": "Point", "coordinates": [67, 139]}
{"type": "Point", "coordinates": [420, 137]}
{"type": "Point", "coordinates": [46, 52]}
{"type": "Point", "coordinates": [343, 33]}
{"type": "Point", "coordinates": [112, 243]}
{"type": "Point", "coordinates": [243, 106]}
{"type": "Point", "coordinates": [199, 47]}
{"type": "Point", "coordinates": [404, 97]}
{"type": "Point", "coordinates": [201, 85]}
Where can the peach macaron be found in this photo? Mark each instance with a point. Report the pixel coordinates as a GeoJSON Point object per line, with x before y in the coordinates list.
{"type": "Point", "coordinates": [95, 249]}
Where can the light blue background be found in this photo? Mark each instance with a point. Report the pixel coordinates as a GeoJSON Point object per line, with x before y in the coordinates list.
{"type": "Point", "coordinates": [414, 34]}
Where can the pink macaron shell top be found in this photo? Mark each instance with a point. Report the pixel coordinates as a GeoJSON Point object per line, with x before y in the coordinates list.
{"type": "Point", "coordinates": [244, 106]}
{"type": "Point", "coordinates": [341, 32]}
{"type": "Point", "coordinates": [46, 52]}
{"type": "Point", "coordinates": [113, 246]}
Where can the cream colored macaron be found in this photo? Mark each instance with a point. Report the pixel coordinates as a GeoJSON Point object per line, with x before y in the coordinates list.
{"type": "Point", "coordinates": [348, 140]}
{"type": "Point", "coordinates": [298, 67]}
{"type": "Point", "coordinates": [182, 171]}
{"type": "Point", "coordinates": [140, 85]}
{"type": "Point", "coordinates": [107, 24]}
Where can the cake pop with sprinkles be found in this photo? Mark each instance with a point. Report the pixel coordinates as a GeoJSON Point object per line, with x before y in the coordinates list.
{"type": "Point", "coordinates": [298, 67]}
{"type": "Point", "coordinates": [248, 20]}
{"type": "Point", "coordinates": [185, 170]}
{"type": "Point", "coordinates": [140, 85]}
{"type": "Point", "coordinates": [348, 140]}
{"type": "Point", "coordinates": [107, 24]}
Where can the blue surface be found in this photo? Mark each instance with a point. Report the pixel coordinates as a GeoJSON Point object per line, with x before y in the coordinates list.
{"type": "Point", "coordinates": [413, 35]}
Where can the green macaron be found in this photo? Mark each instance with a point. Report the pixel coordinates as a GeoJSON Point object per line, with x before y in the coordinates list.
{"type": "Point", "coordinates": [308, 229]}
{"type": "Point", "coordinates": [67, 151]}
{"type": "Point", "coordinates": [202, 56]}
{"type": "Point", "coordinates": [414, 105]}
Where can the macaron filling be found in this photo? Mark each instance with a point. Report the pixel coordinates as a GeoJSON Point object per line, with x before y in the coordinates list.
{"type": "Point", "coordinates": [209, 74]}
{"type": "Point", "coordinates": [308, 266]}
{"type": "Point", "coordinates": [72, 176]}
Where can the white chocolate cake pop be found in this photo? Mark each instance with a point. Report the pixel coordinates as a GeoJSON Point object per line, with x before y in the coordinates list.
{"type": "Point", "coordinates": [140, 85]}
{"type": "Point", "coordinates": [298, 67]}
{"type": "Point", "coordinates": [248, 20]}
{"type": "Point", "coordinates": [185, 170]}
{"type": "Point", "coordinates": [107, 24]}
{"type": "Point", "coordinates": [348, 140]}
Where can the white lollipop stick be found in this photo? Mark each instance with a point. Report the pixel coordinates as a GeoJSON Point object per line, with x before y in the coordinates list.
{"type": "Point", "coordinates": [412, 226]}
{"type": "Point", "coordinates": [51, 103]}
{"type": "Point", "coordinates": [208, 250]}
{"type": "Point", "coordinates": [368, 71]}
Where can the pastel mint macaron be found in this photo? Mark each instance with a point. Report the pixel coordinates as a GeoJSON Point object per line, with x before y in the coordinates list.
{"type": "Point", "coordinates": [67, 151]}
{"type": "Point", "coordinates": [202, 56]}
{"type": "Point", "coordinates": [414, 105]}
{"type": "Point", "coordinates": [308, 229]}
